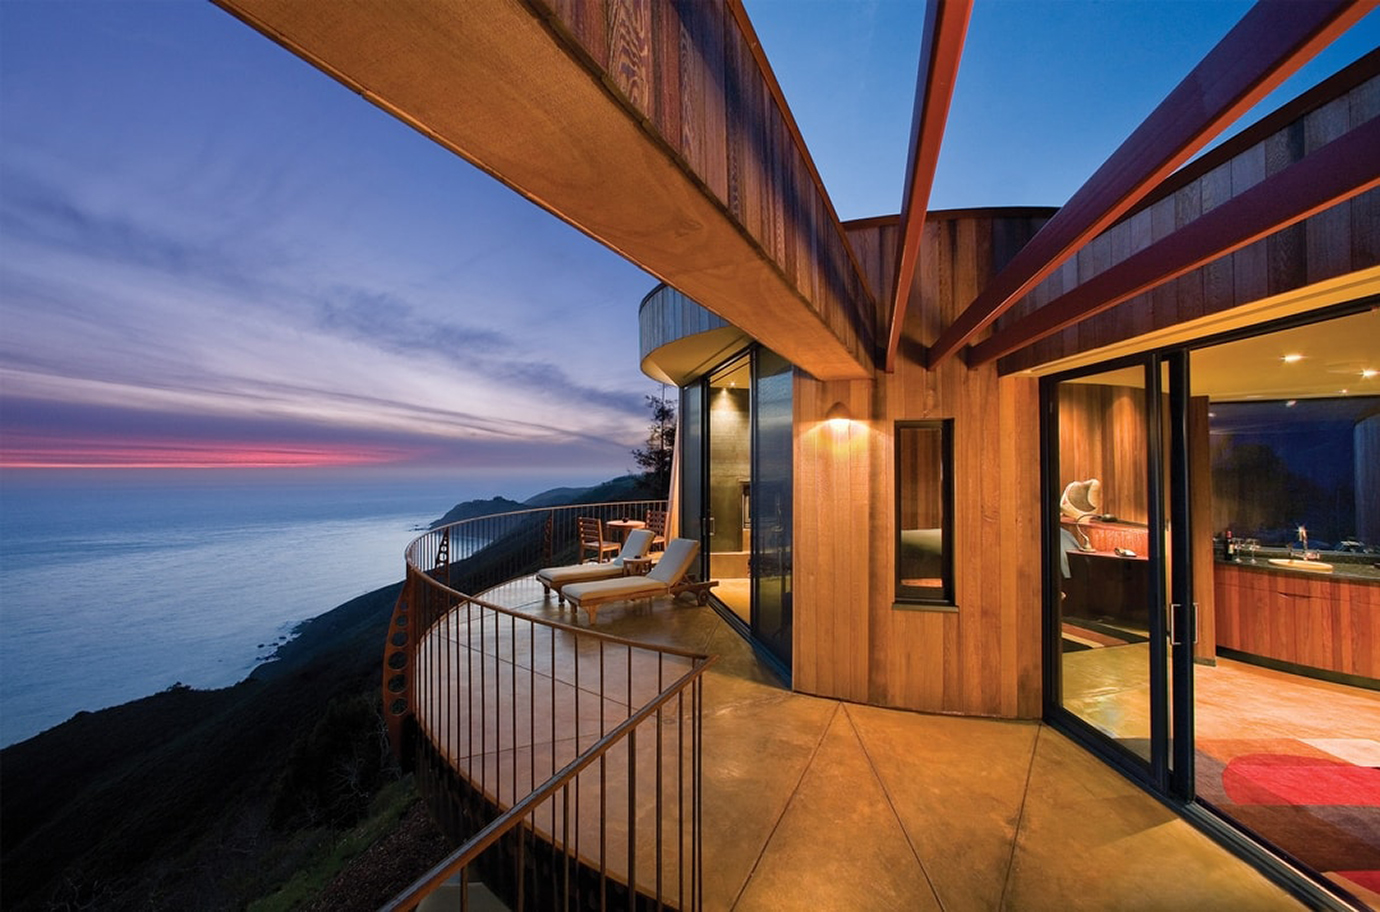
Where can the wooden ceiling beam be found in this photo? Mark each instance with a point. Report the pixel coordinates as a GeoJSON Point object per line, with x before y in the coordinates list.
{"type": "Point", "coordinates": [941, 48]}
{"type": "Point", "coordinates": [1271, 41]}
{"type": "Point", "coordinates": [1345, 167]}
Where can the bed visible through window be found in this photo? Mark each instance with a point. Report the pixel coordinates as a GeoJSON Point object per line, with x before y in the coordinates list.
{"type": "Point", "coordinates": [924, 513]}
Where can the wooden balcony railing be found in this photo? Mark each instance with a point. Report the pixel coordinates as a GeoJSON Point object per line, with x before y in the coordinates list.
{"type": "Point", "coordinates": [566, 762]}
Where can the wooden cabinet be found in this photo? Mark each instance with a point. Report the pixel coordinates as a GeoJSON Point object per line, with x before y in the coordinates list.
{"type": "Point", "coordinates": [1105, 586]}
{"type": "Point", "coordinates": [1303, 619]}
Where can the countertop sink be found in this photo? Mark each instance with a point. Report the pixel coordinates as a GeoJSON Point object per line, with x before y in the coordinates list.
{"type": "Point", "coordinates": [1294, 563]}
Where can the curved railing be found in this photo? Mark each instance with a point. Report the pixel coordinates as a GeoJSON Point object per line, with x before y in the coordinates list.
{"type": "Point", "coordinates": [565, 761]}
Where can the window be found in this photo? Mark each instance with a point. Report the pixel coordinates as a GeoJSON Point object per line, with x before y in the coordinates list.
{"type": "Point", "coordinates": [924, 512]}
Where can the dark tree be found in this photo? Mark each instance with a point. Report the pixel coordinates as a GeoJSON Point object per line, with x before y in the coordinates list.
{"type": "Point", "coordinates": [655, 459]}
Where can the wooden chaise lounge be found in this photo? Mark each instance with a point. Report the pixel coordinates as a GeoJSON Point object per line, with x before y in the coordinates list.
{"type": "Point", "coordinates": [556, 578]}
{"type": "Point", "coordinates": [668, 577]}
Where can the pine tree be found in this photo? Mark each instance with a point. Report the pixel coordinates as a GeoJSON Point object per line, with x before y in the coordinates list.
{"type": "Point", "coordinates": [655, 460]}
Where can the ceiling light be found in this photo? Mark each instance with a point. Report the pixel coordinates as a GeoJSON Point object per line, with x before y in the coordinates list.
{"type": "Point", "coordinates": [1369, 373]}
{"type": "Point", "coordinates": [1291, 403]}
{"type": "Point", "coordinates": [1292, 359]}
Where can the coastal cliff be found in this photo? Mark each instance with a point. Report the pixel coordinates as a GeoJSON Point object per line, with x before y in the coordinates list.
{"type": "Point", "coordinates": [277, 793]}
{"type": "Point", "coordinates": [212, 799]}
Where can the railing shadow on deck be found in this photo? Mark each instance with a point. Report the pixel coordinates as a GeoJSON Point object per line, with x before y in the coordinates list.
{"type": "Point", "coordinates": [565, 761]}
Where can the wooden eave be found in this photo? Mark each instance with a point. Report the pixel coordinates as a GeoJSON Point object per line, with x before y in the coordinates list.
{"type": "Point", "coordinates": [507, 86]}
{"type": "Point", "coordinates": [941, 48]}
{"type": "Point", "coordinates": [1270, 42]}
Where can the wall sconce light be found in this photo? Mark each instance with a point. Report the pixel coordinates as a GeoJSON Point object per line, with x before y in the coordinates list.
{"type": "Point", "coordinates": [838, 415]}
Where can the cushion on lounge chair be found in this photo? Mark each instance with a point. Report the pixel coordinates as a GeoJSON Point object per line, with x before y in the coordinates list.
{"type": "Point", "coordinates": [639, 540]}
{"type": "Point", "coordinates": [676, 561]}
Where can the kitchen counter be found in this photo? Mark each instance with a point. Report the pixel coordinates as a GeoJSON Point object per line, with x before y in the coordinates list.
{"type": "Point", "coordinates": [1345, 565]}
{"type": "Point", "coordinates": [1328, 622]}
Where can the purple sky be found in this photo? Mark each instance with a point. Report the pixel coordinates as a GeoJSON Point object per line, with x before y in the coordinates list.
{"type": "Point", "coordinates": [211, 252]}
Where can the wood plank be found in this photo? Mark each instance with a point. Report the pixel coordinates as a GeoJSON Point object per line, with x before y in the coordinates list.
{"type": "Point", "coordinates": [629, 41]}
{"type": "Point", "coordinates": [666, 73]}
{"type": "Point", "coordinates": [941, 48]}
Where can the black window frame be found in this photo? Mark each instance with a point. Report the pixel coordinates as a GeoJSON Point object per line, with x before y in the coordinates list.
{"type": "Point", "coordinates": [932, 598]}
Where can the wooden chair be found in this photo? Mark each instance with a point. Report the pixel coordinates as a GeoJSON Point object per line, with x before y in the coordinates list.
{"type": "Point", "coordinates": [592, 538]}
{"type": "Point", "coordinates": [656, 521]}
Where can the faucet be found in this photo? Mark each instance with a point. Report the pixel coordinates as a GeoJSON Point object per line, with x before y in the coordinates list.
{"type": "Point", "coordinates": [1302, 540]}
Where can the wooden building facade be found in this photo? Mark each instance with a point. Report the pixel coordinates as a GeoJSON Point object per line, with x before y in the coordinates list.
{"type": "Point", "coordinates": [658, 129]}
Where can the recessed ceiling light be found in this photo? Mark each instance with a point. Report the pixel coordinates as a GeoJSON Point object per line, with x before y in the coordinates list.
{"type": "Point", "coordinates": [1343, 392]}
{"type": "Point", "coordinates": [1291, 403]}
{"type": "Point", "coordinates": [1368, 373]}
{"type": "Point", "coordinates": [1291, 359]}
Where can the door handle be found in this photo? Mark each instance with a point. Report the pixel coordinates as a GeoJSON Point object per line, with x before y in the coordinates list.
{"type": "Point", "coordinates": [1197, 624]}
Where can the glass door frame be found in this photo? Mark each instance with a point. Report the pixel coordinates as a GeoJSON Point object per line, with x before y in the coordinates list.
{"type": "Point", "coordinates": [1169, 767]}
{"type": "Point", "coordinates": [700, 526]}
{"type": "Point", "coordinates": [1173, 779]}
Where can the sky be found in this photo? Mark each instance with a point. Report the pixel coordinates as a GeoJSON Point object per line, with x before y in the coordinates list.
{"type": "Point", "coordinates": [212, 254]}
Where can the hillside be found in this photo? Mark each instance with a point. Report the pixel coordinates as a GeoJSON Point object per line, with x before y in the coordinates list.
{"type": "Point", "coordinates": [194, 799]}
{"type": "Point", "coordinates": [253, 796]}
{"type": "Point", "coordinates": [626, 487]}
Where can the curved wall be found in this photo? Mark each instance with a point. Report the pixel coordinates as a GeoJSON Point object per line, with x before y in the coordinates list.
{"type": "Point", "coordinates": [679, 339]}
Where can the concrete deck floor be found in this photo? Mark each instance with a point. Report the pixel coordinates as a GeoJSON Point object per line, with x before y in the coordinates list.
{"type": "Point", "coordinates": [811, 803]}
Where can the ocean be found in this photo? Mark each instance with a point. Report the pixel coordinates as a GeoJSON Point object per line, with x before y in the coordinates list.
{"type": "Point", "coordinates": [115, 585]}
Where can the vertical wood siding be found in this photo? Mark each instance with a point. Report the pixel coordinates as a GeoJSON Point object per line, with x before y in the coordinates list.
{"type": "Point", "coordinates": [690, 71]}
{"type": "Point", "coordinates": [850, 642]}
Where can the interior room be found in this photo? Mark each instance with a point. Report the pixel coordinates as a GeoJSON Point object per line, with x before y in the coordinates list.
{"type": "Point", "coordinates": [1284, 452]}
{"type": "Point", "coordinates": [730, 484]}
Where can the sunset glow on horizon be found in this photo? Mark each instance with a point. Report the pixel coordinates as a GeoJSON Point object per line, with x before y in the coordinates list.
{"type": "Point", "coordinates": [106, 454]}
{"type": "Point", "coordinates": [254, 267]}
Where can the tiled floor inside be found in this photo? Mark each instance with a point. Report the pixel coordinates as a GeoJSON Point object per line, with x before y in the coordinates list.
{"type": "Point", "coordinates": [811, 803]}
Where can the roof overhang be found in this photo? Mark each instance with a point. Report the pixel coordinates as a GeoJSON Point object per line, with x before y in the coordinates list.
{"type": "Point", "coordinates": [506, 87]}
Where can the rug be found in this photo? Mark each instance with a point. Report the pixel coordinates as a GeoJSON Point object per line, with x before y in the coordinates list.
{"type": "Point", "coordinates": [1080, 633]}
{"type": "Point", "coordinates": [1318, 800]}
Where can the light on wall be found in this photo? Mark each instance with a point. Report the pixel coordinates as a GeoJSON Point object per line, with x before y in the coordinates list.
{"type": "Point", "coordinates": [838, 416]}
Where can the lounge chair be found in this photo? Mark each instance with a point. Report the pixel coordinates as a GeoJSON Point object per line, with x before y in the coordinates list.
{"type": "Point", "coordinates": [668, 577]}
{"type": "Point", "coordinates": [554, 578]}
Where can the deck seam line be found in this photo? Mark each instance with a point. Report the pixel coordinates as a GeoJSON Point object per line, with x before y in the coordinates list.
{"type": "Point", "coordinates": [795, 790]}
{"type": "Point", "coordinates": [886, 793]}
{"type": "Point", "coordinates": [1020, 817]}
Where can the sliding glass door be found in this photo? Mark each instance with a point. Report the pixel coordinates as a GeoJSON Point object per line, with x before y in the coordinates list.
{"type": "Point", "coordinates": [1212, 588]}
{"type": "Point", "coordinates": [1117, 650]}
{"type": "Point", "coordinates": [772, 490]}
{"type": "Point", "coordinates": [737, 450]}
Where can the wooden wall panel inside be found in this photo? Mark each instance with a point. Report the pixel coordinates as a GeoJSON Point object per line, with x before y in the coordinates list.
{"type": "Point", "coordinates": [981, 656]}
{"type": "Point", "coordinates": [1102, 436]}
